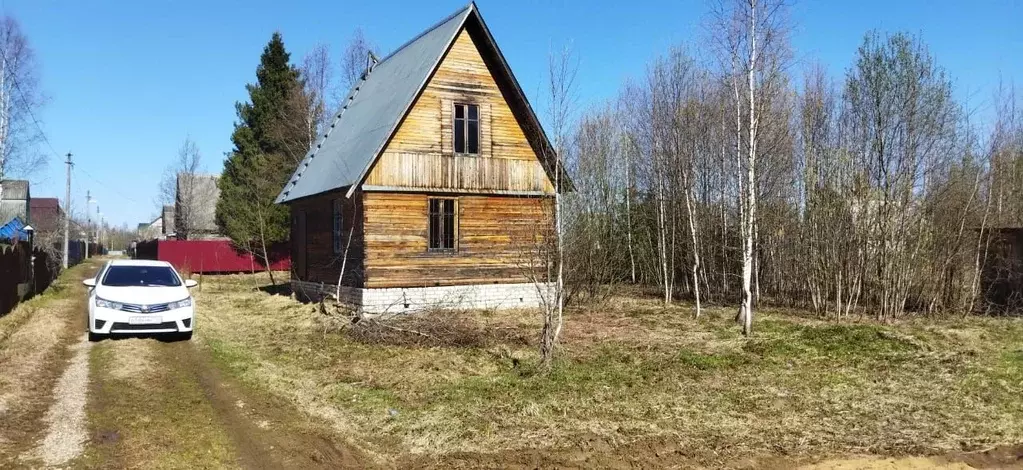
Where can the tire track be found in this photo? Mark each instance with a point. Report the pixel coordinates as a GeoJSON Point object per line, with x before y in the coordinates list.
{"type": "Point", "coordinates": [66, 432]}
{"type": "Point", "coordinates": [34, 357]}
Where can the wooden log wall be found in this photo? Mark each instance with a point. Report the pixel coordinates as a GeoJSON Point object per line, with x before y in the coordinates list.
{"type": "Point", "coordinates": [497, 241]}
{"type": "Point", "coordinates": [322, 264]}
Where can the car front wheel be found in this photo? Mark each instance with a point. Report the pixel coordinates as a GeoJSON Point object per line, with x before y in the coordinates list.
{"type": "Point", "coordinates": [94, 337]}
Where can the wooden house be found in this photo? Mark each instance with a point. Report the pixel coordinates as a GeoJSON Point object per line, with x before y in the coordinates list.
{"type": "Point", "coordinates": [14, 201]}
{"type": "Point", "coordinates": [434, 185]}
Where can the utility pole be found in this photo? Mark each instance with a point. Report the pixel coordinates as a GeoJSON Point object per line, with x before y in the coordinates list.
{"type": "Point", "coordinates": [67, 210]}
{"type": "Point", "coordinates": [99, 227]}
{"type": "Point", "coordinates": [88, 222]}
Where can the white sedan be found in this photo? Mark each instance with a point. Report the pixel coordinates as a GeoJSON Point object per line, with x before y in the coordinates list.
{"type": "Point", "coordinates": [139, 297]}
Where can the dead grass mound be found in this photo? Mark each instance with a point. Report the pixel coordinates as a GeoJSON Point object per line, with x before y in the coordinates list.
{"type": "Point", "coordinates": [449, 329]}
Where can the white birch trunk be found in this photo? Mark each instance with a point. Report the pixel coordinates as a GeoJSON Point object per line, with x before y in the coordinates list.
{"type": "Point", "coordinates": [746, 309]}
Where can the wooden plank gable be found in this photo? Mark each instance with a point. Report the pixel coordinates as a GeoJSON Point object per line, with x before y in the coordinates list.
{"type": "Point", "coordinates": [420, 155]}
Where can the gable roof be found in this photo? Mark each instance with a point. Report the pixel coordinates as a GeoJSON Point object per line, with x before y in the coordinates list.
{"type": "Point", "coordinates": [46, 214]}
{"type": "Point", "coordinates": [14, 189]}
{"type": "Point", "coordinates": [381, 100]}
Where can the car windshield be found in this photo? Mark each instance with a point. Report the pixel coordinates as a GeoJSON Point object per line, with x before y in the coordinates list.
{"type": "Point", "coordinates": [123, 276]}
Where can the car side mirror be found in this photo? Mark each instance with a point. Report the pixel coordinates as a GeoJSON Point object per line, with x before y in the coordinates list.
{"type": "Point", "coordinates": [190, 283]}
{"type": "Point", "coordinates": [91, 282]}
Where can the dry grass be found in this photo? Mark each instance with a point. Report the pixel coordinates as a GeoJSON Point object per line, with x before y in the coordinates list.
{"type": "Point", "coordinates": [32, 337]}
{"type": "Point", "coordinates": [633, 371]}
{"type": "Point", "coordinates": [130, 359]}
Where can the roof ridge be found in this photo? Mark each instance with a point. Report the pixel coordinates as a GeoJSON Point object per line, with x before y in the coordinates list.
{"type": "Point", "coordinates": [355, 140]}
{"type": "Point", "coordinates": [471, 5]}
{"type": "Point", "coordinates": [304, 164]}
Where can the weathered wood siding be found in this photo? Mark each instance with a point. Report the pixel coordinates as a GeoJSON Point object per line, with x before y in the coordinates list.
{"type": "Point", "coordinates": [421, 153]}
{"type": "Point", "coordinates": [497, 239]}
{"type": "Point", "coordinates": [322, 264]}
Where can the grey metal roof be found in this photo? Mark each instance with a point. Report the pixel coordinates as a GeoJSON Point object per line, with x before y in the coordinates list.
{"type": "Point", "coordinates": [15, 189]}
{"type": "Point", "coordinates": [372, 112]}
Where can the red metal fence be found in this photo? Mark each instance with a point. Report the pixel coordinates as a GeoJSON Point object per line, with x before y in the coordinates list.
{"type": "Point", "coordinates": [211, 256]}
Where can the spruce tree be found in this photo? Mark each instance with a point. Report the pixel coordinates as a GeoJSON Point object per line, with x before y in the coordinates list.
{"type": "Point", "coordinates": [270, 137]}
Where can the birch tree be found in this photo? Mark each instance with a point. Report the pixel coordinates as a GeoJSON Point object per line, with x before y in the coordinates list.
{"type": "Point", "coordinates": [752, 35]}
{"type": "Point", "coordinates": [354, 59]}
{"type": "Point", "coordinates": [562, 68]}
{"type": "Point", "coordinates": [20, 100]}
{"type": "Point", "coordinates": [317, 76]}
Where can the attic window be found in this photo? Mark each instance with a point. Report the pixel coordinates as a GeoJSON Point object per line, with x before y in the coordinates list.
{"type": "Point", "coordinates": [467, 129]}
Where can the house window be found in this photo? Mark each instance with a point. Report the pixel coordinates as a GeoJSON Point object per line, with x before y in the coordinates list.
{"type": "Point", "coordinates": [336, 228]}
{"type": "Point", "coordinates": [442, 225]}
{"type": "Point", "coordinates": [467, 129]}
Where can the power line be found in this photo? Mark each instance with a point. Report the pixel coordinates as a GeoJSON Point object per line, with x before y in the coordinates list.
{"type": "Point", "coordinates": [28, 108]}
{"type": "Point", "coordinates": [105, 185]}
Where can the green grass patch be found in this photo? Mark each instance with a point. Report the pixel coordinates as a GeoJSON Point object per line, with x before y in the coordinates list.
{"type": "Point", "coordinates": [637, 370]}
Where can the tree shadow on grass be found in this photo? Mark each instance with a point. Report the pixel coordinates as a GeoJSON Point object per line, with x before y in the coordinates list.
{"type": "Point", "coordinates": [277, 289]}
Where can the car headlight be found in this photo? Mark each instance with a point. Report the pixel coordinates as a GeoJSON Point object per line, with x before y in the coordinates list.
{"type": "Point", "coordinates": [180, 304]}
{"type": "Point", "coordinates": [107, 304]}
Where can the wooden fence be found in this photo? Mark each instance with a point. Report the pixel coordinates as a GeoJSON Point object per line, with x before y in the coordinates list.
{"type": "Point", "coordinates": [24, 273]}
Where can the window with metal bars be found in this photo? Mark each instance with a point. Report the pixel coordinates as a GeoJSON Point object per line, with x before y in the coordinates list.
{"type": "Point", "coordinates": [443, 226]}
{"type": "Point", "coordinates": [467, 129]}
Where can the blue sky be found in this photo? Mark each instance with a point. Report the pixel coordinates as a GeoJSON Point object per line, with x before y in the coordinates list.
{"type": "Point", "coordinates": [129, 80]}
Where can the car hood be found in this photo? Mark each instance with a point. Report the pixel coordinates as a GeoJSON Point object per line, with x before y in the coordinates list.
{"type": "Point", "coordinates": [141, 295]}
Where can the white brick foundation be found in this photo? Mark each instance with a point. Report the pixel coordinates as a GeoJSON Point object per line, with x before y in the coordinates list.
{"type": "Point", "coordinates": [411, 299]}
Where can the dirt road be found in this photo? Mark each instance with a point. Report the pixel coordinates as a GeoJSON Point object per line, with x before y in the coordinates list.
{"type": "Point", "coordinates": [138, 402]}
{"type": "Point", "coordinates": [151, 403]}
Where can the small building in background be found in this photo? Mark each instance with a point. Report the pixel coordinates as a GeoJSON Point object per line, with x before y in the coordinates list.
{"type": "Point", "coordinates": [47, 215]}
{"type": "Point", "coordinates": [152, 230]}
{"type": "Point", "coordinates": [14, 202]}
{"type": "Point", "coordinates": [187, 236]}
{"type": "Point", "coordinates": [167, 216]}
{"type": "Point", "coordinates": [195, 207]}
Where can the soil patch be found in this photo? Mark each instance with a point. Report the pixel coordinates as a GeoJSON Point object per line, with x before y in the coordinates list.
{"type": "Point", "coordinates": [267, 431]}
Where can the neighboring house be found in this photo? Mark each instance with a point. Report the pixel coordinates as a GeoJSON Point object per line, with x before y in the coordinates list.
{"type": "Point", "coordinates": [47, 215]}
{"type": "Point", "coordinates": [433, 186]}
{"type": "Point", "coordinates": [195, 207]}
{"type": "Point", "coordinates": [48, 222]}
{"type": "Point", "coordinates": [167, 216]}
{"type": "Point", "coordinates": [153, 230]}
{"type": "Point", "coordinates": [14, 201]}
